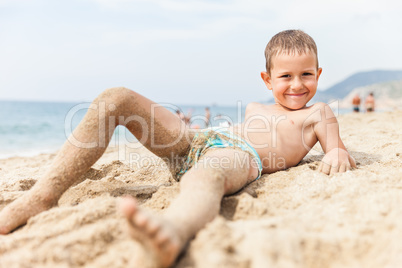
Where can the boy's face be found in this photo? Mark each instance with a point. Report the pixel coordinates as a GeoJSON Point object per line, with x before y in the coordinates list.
{"type": "Point", "coordinates": [293, 79]}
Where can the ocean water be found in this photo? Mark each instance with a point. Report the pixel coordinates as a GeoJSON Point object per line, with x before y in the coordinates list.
{"type": "Point", "coordinates": [31, 128]}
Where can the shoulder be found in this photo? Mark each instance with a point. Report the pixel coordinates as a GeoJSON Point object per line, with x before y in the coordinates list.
{"type": "Point", "coordinates": [323, 108]}
{"type": "Point", "coordinates": [319, 105]}
{"type": "Point", "coordinates": [252, 106]}
{"type": "Point", "coordinates": [318, 112]}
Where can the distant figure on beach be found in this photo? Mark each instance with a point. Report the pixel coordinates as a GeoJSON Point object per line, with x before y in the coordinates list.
{"type": "Point", "coordinates": [187, 118]}
{"type": "Point", "coordinates": [356, 103]}
{"type": "Point", "coordinates": [370, 103]}
{"type": "Point", "coordinates": [207, 116]}
{"type": "Point", "coordinates": [180, 114]}
{"type": "Point", "coordinates": [223, 122]}
{"type": "Point", "coordinates": [216, 161]}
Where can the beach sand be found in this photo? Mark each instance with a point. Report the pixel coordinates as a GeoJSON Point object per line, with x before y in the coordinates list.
{"type": "Point", "coordinates": [293, 218]}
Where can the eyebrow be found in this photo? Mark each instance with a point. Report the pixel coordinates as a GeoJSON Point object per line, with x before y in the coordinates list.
{"type": "Point", "coordinates": [304, 71]}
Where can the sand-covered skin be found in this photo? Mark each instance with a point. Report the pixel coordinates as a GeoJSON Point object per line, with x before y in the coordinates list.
{"type": "Point", "coordinates": [292, 218]}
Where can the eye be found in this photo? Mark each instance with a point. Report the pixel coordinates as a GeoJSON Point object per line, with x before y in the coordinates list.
{"type": "Point", "coordinates": [285, 76]}
{"type": "Point", "coordinates": [306, 74]}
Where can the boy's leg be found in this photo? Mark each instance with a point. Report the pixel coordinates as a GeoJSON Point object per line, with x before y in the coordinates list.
{"type": "Point", "coordinates": [153, 126]}
{"type": "Point", "coordinates": [201, 191]}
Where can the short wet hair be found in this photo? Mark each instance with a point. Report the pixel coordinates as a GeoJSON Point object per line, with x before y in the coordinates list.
{"type": "Point", "coordinates": [289, 42]}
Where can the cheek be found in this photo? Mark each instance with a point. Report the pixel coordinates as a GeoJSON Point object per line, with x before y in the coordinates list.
{"type": "Point", "coordinates": [280, 86]}
{"type": "Point", "coordinates": [311, 84]}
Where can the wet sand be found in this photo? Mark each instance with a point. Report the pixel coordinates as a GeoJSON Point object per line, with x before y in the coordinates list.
{"type": "Point", "coordinates": [292, 218]}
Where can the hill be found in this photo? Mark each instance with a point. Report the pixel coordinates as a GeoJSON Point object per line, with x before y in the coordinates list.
{"type": "Point", "coordinates": [358, 80]}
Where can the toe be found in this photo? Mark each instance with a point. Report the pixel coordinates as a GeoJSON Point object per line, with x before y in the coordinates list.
{"type": "Point", "coordinates": [140, 220]}
{"type": "Point", "coordinates": [152, 228]}
{"type": "Point", "coordinates": [161, 238]}
{"type": "Point", "coordinates": [3, 231]}
{"type": "Point", "coordinates": [128, 206]}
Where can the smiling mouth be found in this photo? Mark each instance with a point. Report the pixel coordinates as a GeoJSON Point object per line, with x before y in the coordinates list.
{"type": "Point", "coordinates": [296, 95]}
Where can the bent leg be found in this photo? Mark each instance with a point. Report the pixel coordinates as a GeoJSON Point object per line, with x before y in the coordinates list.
{"type": "Point", "coordinates": [201, 190]}
{"type": "Point", "coordinates": [159, 130]}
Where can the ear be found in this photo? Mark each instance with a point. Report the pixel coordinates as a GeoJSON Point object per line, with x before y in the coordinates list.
{"type": "Point", "coordinates": [319, 71]}
{"type": "Point", "coordinates": [267, 80]}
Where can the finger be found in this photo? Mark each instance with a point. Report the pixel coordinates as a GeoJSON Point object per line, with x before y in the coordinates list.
{"type": "Point", "coordinates": [342, 168]}
{"type": "Point", "coordinates": [326, 168]}
{"type": "Point", "coordinates": [348, 167]}
{"type": "Point", "coordinates": [352, 162]}
{"type": "Point", "coordinates": [320, 167]}
{"type": "Point", "coordinates": [334, 169]}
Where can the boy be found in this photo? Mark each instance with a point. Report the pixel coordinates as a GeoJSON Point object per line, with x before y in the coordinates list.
{"type": "Point", "coordinates": [218, 161]}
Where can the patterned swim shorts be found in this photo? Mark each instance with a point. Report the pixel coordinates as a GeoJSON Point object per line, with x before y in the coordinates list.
{"type": "Point", "coordinates": [216, 138]}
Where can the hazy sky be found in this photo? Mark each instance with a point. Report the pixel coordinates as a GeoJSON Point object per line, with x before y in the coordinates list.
{"type": "Point", "coordinates": [182, 51]}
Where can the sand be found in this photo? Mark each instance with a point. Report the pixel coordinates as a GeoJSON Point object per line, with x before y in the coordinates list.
{"type": "Point", "coordinates": [293, 218]}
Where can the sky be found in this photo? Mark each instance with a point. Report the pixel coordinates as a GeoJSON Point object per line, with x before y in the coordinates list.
{"type": "Point", "coordinates": [182, 51]}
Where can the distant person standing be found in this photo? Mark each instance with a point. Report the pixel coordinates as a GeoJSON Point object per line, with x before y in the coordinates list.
{"type": "Point", "coordinates": [207, 116]}
{"type": "Point", "coordinates": [180, 114]}
{"type": "Point", "coordinates": [370, 103]}
{"type": "Point", "coordinates": [187, 118]}
{"type": "Point", "coordinates": [356, 103]}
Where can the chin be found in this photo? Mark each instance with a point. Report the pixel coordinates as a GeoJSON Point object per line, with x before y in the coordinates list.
{"type": "Point", "coordinates": [296, 107]}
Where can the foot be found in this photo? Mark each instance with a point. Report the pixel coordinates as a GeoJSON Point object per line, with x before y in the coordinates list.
{"type": "Point", "coordinates": [19, 211]}
{"type": "Point", "coordinates": [152, 231]}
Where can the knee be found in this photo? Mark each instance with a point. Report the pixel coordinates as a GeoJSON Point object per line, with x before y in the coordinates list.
{"type": "Point", "coordinates": [116, 96]}
{"type": "Point", "coordinates": [214, 177]}
{"type": "Point", "coordinates": [116, 91]}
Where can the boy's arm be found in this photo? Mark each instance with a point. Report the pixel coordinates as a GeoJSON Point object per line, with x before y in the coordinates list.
{"type": "Point", "coordinates": [337, 158]}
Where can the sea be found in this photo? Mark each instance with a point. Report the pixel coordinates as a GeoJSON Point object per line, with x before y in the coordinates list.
{"type": "Point", "coordinates": [30, 128]}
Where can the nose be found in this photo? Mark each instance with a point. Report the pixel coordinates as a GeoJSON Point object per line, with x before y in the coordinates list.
{"type": "Point", "coordinates": [296, 83]}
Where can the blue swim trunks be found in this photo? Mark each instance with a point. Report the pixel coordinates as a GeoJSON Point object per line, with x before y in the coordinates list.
{"type": "Point", "coordinates": [216, 137]}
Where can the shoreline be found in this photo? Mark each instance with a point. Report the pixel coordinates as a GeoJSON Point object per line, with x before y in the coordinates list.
{"type": "Point", "coordinates": [32, 152]}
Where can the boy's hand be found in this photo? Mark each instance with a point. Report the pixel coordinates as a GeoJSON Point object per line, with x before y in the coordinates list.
{"type": "Point", "coordinates": [336, 160]}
